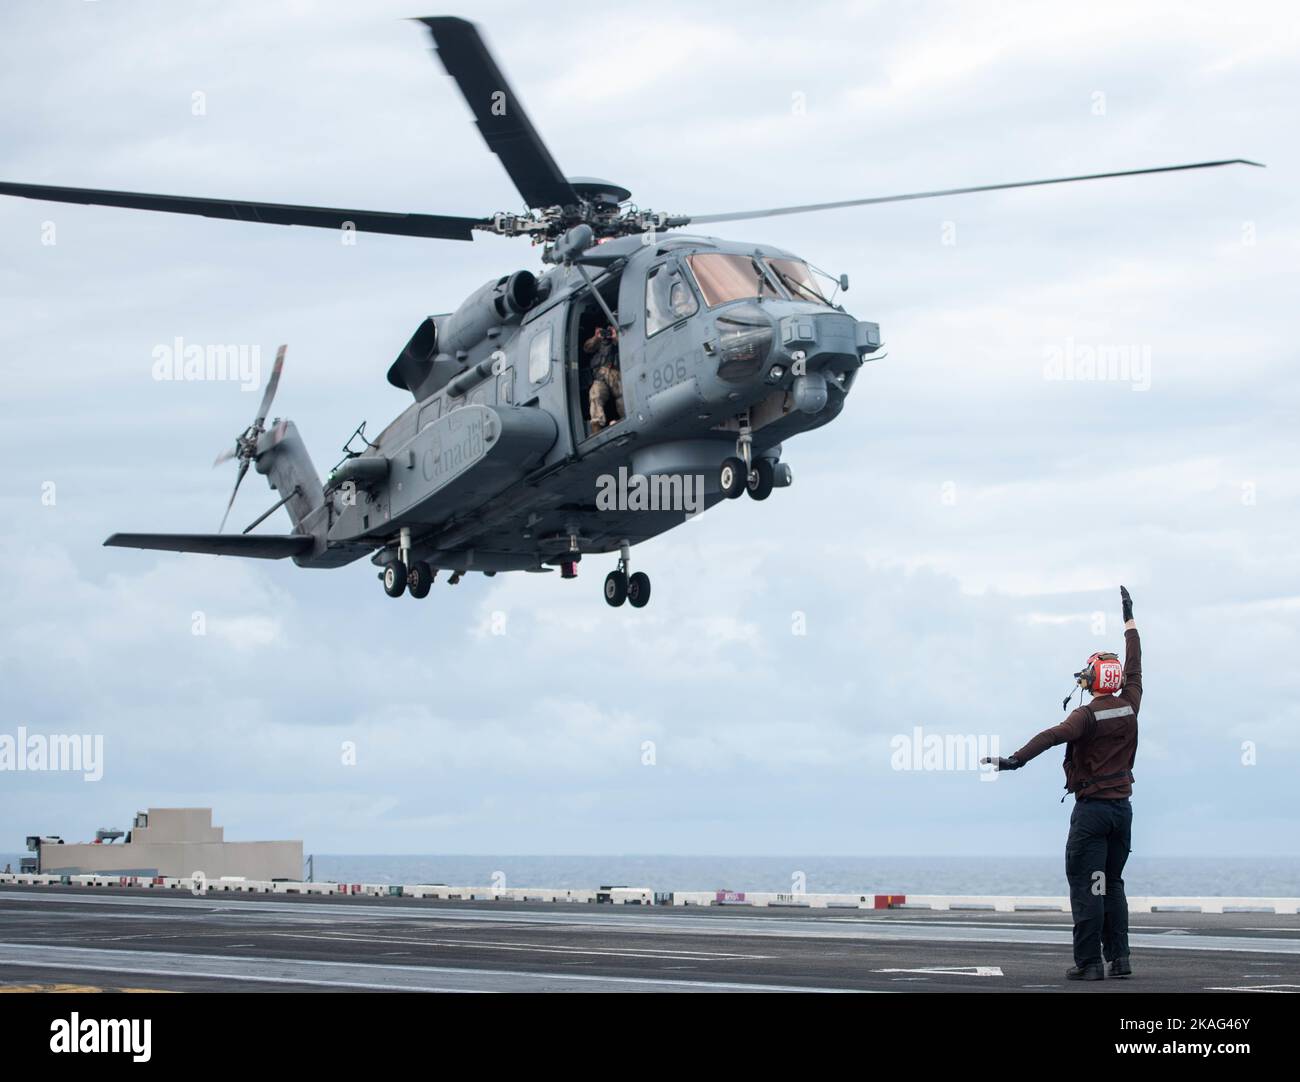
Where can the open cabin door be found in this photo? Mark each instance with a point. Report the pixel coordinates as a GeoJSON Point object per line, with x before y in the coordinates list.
{"type": "Point", "coordinates": [585, 316]}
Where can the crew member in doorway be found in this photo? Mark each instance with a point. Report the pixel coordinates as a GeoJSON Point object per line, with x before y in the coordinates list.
{"type": "Point", "coordinates": [606, 392]}
{"type": "Point", "coordinates": [1100, 739]}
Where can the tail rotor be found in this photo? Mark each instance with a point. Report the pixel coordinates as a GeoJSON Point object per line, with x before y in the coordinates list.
{"type": "Point", "coordinates": [245, 447]}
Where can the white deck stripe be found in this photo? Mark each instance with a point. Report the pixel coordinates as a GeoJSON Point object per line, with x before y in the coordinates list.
{"type": "Point", "coordinates": [353, 974]}
{"type": "Point", "coordinates": [716, 924]}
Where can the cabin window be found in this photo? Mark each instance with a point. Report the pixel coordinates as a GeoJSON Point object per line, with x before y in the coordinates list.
{"type": "Point", "coordinates": [429, 413]}
{"type": "Point", "coordinates": [668, 299]}
{"type": "Point", "coordinates": [539, 356]}
{"type": "Point", "coordinates": [724, 278]}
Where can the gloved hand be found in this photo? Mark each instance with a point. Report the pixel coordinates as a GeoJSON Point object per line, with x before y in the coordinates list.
{"type": "Point", "coordinates": [1127, 603]}
{"type": "Point", "coordinates": [1009, 763]}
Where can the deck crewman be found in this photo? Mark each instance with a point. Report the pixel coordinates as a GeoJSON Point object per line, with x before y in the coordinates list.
{"type": "Point", "coordinates": [1100, 739]}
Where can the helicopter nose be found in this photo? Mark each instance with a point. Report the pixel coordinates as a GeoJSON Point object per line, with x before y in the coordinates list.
{"type": "Point", "coordinates": [827, 340]}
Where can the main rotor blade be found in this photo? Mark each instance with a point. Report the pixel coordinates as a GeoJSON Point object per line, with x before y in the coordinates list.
{"type": "Point", "coordinates": [243, 469]}
{"type": "Point", "coordinates": [775, 211]}
{"type": "Point", "coordinates": [439, 226]}
{"type": "Point", "coordinates": [499, 113]}
{"type": "Point", "coordinates": [271, 385]}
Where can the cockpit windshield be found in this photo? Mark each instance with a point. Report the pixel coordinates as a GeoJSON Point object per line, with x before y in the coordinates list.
{"type": "Point", "coordinates": [798, 279]}
{"type": "Point", "coordinates": [724, 278]}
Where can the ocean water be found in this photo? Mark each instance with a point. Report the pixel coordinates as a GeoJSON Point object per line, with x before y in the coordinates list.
{"type": "Point", "coordinates": [1232, 876]}
{"type": "Point", "coordinates": [1240, 876]}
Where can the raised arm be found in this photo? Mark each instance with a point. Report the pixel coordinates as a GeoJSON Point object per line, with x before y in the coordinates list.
{"type": "Point", "coordinates": [1131, 692]}
{"type": "Point", "coordinates": [1073, 726]}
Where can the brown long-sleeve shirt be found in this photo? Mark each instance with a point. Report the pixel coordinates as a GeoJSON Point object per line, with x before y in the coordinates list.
{"type": "Point", "coordinates": [1102, 735]}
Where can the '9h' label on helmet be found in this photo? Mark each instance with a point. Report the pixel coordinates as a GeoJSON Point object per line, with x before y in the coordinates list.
{"type": "Point", "coordinates": [1107, 673]}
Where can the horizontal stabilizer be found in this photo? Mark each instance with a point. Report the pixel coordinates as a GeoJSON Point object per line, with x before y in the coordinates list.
{"type": "Point", "coordinates": [258, 546]}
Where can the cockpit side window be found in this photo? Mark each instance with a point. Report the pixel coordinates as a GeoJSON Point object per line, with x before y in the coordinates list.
{"type": "Point", "coordinates": [668, 298]}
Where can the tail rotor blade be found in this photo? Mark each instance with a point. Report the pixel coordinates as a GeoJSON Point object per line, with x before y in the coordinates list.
{"type": "Point", "coordinates": [245, 448]}
{"type": "Point", "coordinates": [271, 385]}
{"type": "Point", "coordinates": [243, 469]}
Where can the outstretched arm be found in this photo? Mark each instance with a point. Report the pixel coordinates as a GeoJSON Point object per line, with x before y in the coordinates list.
{"type": "Point", "coordinates": [1070, 729]}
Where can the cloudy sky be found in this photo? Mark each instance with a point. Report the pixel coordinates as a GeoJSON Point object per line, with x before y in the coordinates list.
{"type": "Point", "coordinates": [945, 545]}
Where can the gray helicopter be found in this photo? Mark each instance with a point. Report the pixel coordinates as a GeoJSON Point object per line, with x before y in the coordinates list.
{"type": "Point", "coordinates": [708, 353]}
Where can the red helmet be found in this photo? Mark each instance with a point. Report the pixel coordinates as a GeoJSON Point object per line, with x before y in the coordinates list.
{"type": "Point", "coordinates": [1101, 674]}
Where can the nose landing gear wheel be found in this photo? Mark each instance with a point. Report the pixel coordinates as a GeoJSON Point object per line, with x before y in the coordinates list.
{"type": "Point", "coordinates": [761, 478]}
{"type": "Point", "coordinates": [395, 578]}
{"type": "Point", "coordinates": [732, 476]}
{"type": "Point", "coordinates": [419, 579]}
{"type": "Point", "coordinates": [616, 588]}
{"type": "Point", "coordinates": [638, 589]}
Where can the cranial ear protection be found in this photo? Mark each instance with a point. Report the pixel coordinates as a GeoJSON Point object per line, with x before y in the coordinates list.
{"type": "Point", "coordinates": [1101, 674]}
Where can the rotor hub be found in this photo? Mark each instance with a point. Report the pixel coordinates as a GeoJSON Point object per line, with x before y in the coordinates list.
{"type": "Point", "coordinates": [599, 192]}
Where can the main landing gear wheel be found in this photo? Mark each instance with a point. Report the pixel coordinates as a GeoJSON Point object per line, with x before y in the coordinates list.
{"type": "Point", "coordinates": [419, 578]}
{"type": "Point", "coordinates": [621, 585]}
{"type": "Point", "coordinates": [732, 477]}
{"type": "Point", "coordinates": [638, 589]}
{"type": "Point", "coordinates": [395, 578]}
{"type": "Point", "coordinates": [616, 588]}
{"type": "Point", "coordinates": [761, 478]}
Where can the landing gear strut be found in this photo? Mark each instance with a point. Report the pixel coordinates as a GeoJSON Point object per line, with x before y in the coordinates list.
{"type": "Point", "coordinates": [736, 472]}
{"type": "Point", "coordinates": [402, 573]}
{"type": "Point", "coordinates": [397, 573]}
{"type": "Point", "coordinates": [742, 472]}
{"type": "Point", "coordinates": [620, 586]}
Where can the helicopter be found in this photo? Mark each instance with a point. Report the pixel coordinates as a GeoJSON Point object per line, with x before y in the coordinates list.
{"type": "Point", "coordinates": [504, 460]}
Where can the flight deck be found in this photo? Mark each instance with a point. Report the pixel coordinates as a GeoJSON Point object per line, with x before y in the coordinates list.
{"type": "Point", "coordinates": [147, 940]}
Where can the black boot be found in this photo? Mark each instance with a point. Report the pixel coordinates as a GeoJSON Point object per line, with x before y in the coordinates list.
{"type": "Point", "coordinates": [1093, 971]}
{"type": "Point", "coordinates": [1119, 967]}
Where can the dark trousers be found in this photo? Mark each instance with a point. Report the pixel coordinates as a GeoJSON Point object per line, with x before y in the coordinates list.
{"type": "Point", "coordinates": [1095, 852]}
